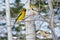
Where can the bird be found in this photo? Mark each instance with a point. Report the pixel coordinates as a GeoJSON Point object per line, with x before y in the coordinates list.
{"type": "Point", "coordinates": [32, 6]}
{"type": "Point", "coordinates": [21, 15]}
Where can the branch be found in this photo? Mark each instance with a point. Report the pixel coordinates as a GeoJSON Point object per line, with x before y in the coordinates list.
{"type": "Point", "coordinates": [47, 20]}
{"type": "Point", "coordinates": [32, 20]}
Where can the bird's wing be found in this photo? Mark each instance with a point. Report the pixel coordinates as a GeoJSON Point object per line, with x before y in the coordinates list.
{"type": "Point", "coordinates": [18, 16]}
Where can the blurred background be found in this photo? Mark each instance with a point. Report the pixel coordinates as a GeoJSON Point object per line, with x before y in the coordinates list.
{"type": "Point", "coordinates": [41, 26]}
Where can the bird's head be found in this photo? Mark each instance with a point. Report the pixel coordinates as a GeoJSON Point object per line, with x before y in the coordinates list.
{"type": "Point", "coordinates": [24, 9]}
{"type": "Point", "coordinates": [32, 6]}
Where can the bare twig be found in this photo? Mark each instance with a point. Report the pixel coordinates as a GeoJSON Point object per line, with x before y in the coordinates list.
{"type": "Point", "coordinates": [32, 20]}
{"type": "Point", "coordinates": [42, 16]}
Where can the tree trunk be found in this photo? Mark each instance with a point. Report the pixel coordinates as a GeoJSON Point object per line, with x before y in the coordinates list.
{"type": "Point", "coordinates": [8, 20]}
{"type": "Point", "coordinates": [52, 20]}
{"type": "Point", "coordinates": [30, 31]}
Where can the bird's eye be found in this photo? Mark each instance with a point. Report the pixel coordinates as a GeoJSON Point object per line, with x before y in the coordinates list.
{"type": "Point", "coordinates": [25, 10]}
{"type": "Point", "coordinates": [33, 8]}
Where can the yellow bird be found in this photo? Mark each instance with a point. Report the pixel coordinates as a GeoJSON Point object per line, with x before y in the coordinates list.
{"type": "Point", "coordinates": [32, 6]}
{"type": "Point", "coordinates": [21, 15]}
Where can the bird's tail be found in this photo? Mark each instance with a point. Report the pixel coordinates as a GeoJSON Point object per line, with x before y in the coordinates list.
{"type": "Point", "coordinates": [13, 25]}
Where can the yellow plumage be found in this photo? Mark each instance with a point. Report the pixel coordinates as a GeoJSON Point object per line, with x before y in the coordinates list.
{"type": "Point", "coordinates": [31, 6]}
{"type": "Point", "coordinates": [21, 15]}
